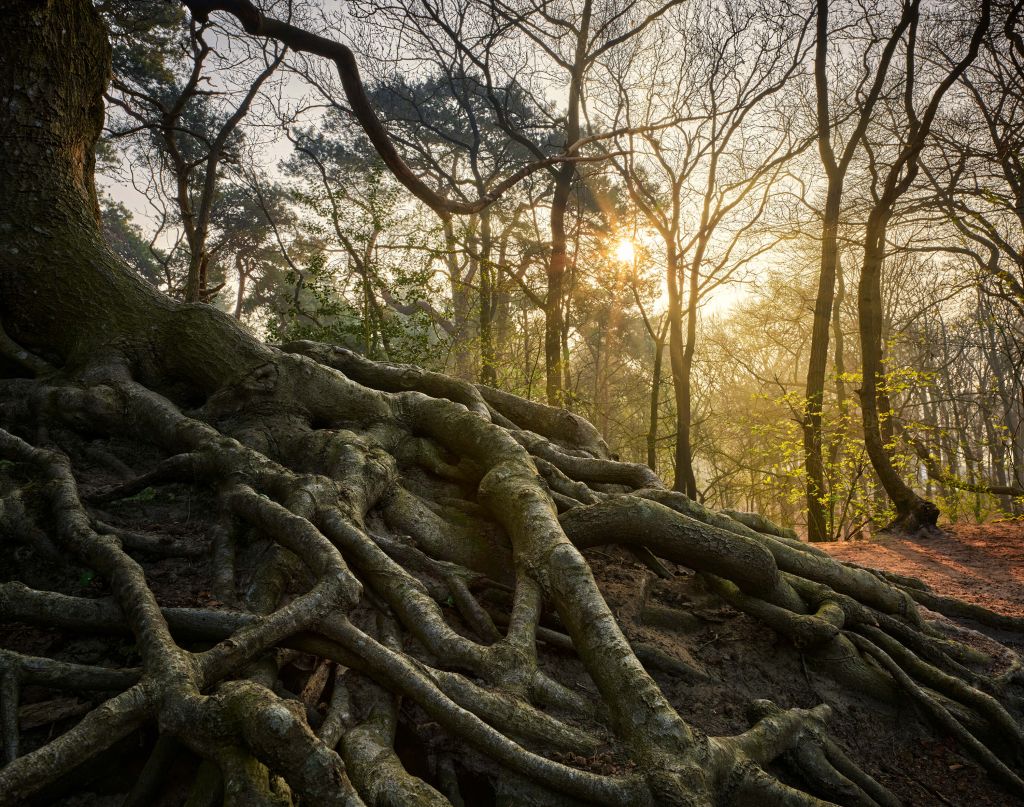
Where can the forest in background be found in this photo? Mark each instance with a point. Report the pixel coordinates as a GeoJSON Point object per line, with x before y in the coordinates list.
{"type": "Point", "coordinates": [689, 281]}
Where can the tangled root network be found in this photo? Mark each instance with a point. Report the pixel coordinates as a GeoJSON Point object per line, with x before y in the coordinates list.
{"type": "Point", "coordinates": [395, 560]}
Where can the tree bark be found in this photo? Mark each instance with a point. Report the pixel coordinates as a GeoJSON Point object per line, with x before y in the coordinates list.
{"type": "Point", "coordinates": [836, 167]}
{"type": "Point", "coordinates": [462, 307]}
{"type": "Point", "coordinates": [676, 353]}
{"type": "Point", "coordinates": [912, 511]}
{"type": "Point", "coordinates": [685, 480]}
{"type": "Point", "coordinates": [652, 428]}
{"type": "Point", "coordinates": [487, 302]}
{"type": "Point", "coordinates": [817, 526]}
{"type": "Point", "coordinates": [554, 301]}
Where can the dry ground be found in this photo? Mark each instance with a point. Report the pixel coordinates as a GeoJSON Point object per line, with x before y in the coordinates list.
{"type": "Point", "coordinates": [980, 563]}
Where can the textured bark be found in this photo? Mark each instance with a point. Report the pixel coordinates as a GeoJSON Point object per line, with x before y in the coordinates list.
{"type": "Point", "coordinates": [676, 352]}
{"type": "Point", "coordinates": [459, 280]}
{"type": "Point", "coordinates": [487, 303]}
{"type": "Point", "coordinates": [685, 480]}
{"type": "Point", "coordinates": [912, 511]}
{"type": "Point", "coordinates": [554, 302]}
{"type": "Point", "coordinates": [652, 415]}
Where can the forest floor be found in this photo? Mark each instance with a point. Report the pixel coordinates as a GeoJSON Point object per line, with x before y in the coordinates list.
{"type": "Point", "coordinates": [924, 768]}
{"type": "Point", "coordinates": [981, 563]}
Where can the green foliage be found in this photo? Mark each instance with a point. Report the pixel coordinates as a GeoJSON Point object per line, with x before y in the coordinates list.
{"type": "Point", "coordinates": [125, 237]}
{"type": "Point", "coordinates": [315, 307]}
{"type": "Point", "coordinates": [144, 495]}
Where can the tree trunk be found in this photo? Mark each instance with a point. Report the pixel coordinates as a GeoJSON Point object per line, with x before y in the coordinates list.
{"type": "Point", "coordinates": [817, 526]}
{"type": "Point", "coordinates": [685, 480]}
{"type": "Point", "coordinates": [912, 512]}
{"type": "Point", "coordinates": [676, 350]}
{"type": "Point", "coordinates": [47, 188]}
{"type": "Point", "coordinates": [997, 459]}
{"type": "Point", "coordinates": [488, 293]}
{"type": "Point", "coordinates": [839, 441]}
{"type": "Point", "coordinates": [462, 307]}
{"type": "Point", "coordinates": [652, 428]}
{"type": "Point", "coordinates": [1011, 399]}
{"type": "Point", "coordinates": [243, 277]}
{"type": "Point", "coordinates": [554, 312]}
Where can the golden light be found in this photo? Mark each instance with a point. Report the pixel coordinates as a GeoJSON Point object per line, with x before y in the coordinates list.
{"type": "Point", "coordinates": [625, 251]}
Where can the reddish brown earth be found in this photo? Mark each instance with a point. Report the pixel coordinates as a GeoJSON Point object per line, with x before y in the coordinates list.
{"type": "Point", "coordinates": [982, 563]}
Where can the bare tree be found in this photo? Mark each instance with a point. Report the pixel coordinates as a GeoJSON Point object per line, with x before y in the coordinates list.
{"type": "Point", "coordinates": [194, 128]}
{"type": "Point", "coordinates": [912, 511]}
{"type": "Point", "coordinates": [836, 108]}
{"type": "Point", "coordinates": [704, 185]}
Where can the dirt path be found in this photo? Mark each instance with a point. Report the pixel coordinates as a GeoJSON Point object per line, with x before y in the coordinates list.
{"type": "Point", "coordinates": [979, 563]}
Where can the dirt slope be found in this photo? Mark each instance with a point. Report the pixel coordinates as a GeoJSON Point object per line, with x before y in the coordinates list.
{"type": "Point", "coordinates": [980, 563]}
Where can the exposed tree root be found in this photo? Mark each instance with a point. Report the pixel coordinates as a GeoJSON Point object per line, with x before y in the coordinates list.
{"type": "Point", "coordinates": [394, 524]}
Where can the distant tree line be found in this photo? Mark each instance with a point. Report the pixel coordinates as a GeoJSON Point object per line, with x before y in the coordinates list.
{"type": "Point", "coordinates": [773, 251]}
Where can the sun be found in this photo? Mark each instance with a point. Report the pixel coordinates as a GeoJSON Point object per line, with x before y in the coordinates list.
{"type": "Point", "coordinates": [625, 251]}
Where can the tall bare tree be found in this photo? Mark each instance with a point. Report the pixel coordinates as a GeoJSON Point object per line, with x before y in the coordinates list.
{"type": "Point", "coordinates": [703, 185]}
{"type": "Point", "coordinates": [190, 114]}
{"type": "Point", "coordinates": [835, 105]}
{"type": "Point", "coordinates": [912, 511]}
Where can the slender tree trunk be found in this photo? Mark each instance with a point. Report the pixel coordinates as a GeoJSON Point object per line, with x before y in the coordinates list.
{"type": "Point", "coordinates": [1010, 401]}
{"type": "Point", "coordinates": [997, 458]}
{"type": "Point", "coordinates": [243, 277]}
{"type": "Point", "coordinates": [912, 511]}
{"type": "Point", "coordinates": [817, 526]}
{"type": "Point", "coordinates": [554, 309]}
{"type": "Point", "coordinates": [839, 363]}
{"type": "Point", "coordinates": [676, 349]}
{"type": "Point", "coordinates": [931, 419]}
{"type": "Point", "coordinates": [600, 399]}
{"type": "Point", "coordinates": [501, 316]}
{"type": "Point", "coordinates": [685, 480]}
{"type": "Point", "coordinates": [652, 429]}
{"type": "Point", "coordinates": [554, 314]}
{"type": "Point", "coordinates": [567, 380]}
{"type": "Point", "coordinates": [195, 284]}
{"type": "Point", "coordinates": [488, 361]}
{"type": "Point", "coordinates": [461, 308]}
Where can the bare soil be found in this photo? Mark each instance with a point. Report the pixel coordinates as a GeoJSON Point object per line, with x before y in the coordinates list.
{"type": "Point", "coordinates": [980, 563]}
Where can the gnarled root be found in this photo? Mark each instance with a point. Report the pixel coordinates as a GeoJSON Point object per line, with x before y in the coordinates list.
{"type": "Point", "coordinates": [423, 538]}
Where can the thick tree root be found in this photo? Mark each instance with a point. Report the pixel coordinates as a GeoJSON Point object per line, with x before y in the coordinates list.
{"type": "Point", "coordinates": [411, 533]}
